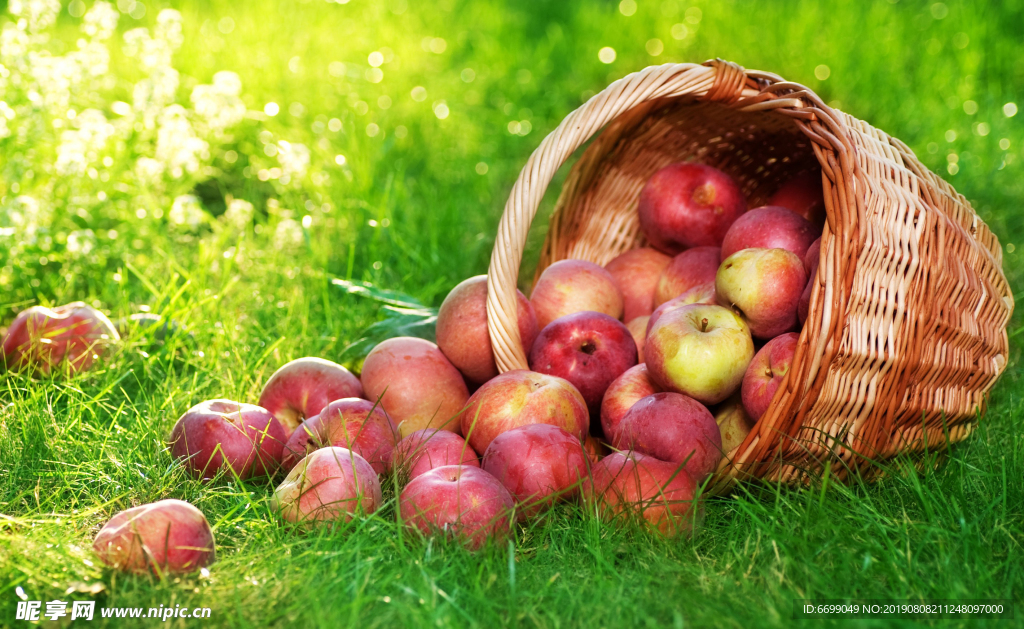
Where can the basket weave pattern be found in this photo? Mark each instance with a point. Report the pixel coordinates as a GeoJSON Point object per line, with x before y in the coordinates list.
{"type": "Point", "coordinates": [906, 332]}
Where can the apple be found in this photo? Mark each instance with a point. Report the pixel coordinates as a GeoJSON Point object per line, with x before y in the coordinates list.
{"type": "Point", "coordinates": [687, 205]}
{"type": "Point", "coordinates": [352, 423]}
{"type": "Point", "coordinates": [538, 464]}
{"type": "Point", "coordinates": [427, 449]}
{"type": "Point", "coordinates": [462, 329]}
{"type": "Point", "coordinates": [811, 260]}
{"type": "Point", "coordinates": [628, 389]}
{"type": "Point", "coordinates": [417, 386]}
{"type": "Point", "coordinates": [764, 285]}
{"type": "Point", "coordinates": [636, 274]}
{"type": "Point", "coordinates": [700, 294]}
{"type": "Point", "coordinates": [595, 449]}
{"type": "Point", "coordinates": [699, 350]}
{"type": "Point", "coordinates": [328, 484]}
{"type": "Point", "coordinates": [520, 397]}
{"type": "Point", "coordinates": [164, 537]}
{"type": "Point", "coordinates": [458, 500]}
{"type": "Point", "coordinates": [638, 330]}
{"type": "Point", "coordinates": [589, 349]}
{"type": "Point", "coordinates": [770, 227]}
{"type": "Point", "coordinates": [42, 339]}
{"type": "Point", "coordinates": [659, 492]}
{"type": "Point", "coordinates": [569, 286]}
{"type": "Point", "coordinates": [676, 428]}
{"type": "Point", "coordinates": [734, 423]}
{"type": "Point", "coordinates": [804, 195]}
{"type": "Point", "coordinates": [766, 372]}
{"type": "Point", "coordinates": [241, 439]}
{"type": "Point", "coordinates": [690, 268]}
{"type": "Point", "coordinates": [303, 387]}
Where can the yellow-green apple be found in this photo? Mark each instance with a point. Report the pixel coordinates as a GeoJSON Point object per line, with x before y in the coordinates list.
{"type": "Point", "coordinates": [538, 464]}
{"type": "Point", "coordinates": [427, 449]}
{"type": "Point", "coordinates": [417, 386]}
{"type": "Point", "coordinates": [763, 285]}
{"type": "Point", "coordinates": [766, 372]}
{"type": "Point", "coordinates": [699, 350]}
{"type": "Point", "coordinates": [44, 339]}
{"type": "Point", "coordinates": [462, 329]}
{"type": "Point", "coordinates": [804, 195]}
{"type": "Point", "coordinates": [690, 268]}
{"type": "Point", "coordinates": [569, 286]}
{"type": "Point", "coordinates": [636, 273]}
{"type": "Point", "coordinates": [770, 227]}
{"type": "Point", "coordinates": [589, 349]}
{"type": "Point", "coordinates": [303, 387]}
{"type": "Point", "coordinates": [675, 428]}
{"type": "Point", "coordinates": [811, 260]}
{"type": "Point", "coordinates": [329, 484]}
{"type": "Point", "coordinates": [352, 423]}
{"type": "Point", "coordinates": [628, 389]}
{"type": "Point", "coordinates": [733, 422]}
{"type": "Point", "coordinates": [700, 294]}
{"type": "Point", "coordinates": [458, 500]}
{"type": "Point", "coordinates": [659, 492]}
{"type": "Point", "coordinates": [521, 397]}
{"type": "Point", "coordinates": [687, 205]}
{"type": "Point", "coordinates": [241, 439]}
{"type": "Point", "coordinates": [163, 537]}
{"type": "Point", "coordinates": [638, 330]}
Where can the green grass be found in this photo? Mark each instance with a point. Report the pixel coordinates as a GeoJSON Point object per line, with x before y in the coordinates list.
{"type": "Point", "coordinates": [412, 214]}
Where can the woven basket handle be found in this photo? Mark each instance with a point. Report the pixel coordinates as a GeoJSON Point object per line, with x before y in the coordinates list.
{"type": "Point", "coordinates": [716, 80]}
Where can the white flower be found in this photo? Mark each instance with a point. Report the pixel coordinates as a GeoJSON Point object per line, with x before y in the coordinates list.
{"type": "Point", "coordinates": [22, 217]}
{"type": "Point", "coordinates": [149, 171]}
{"type": "Point", "coordinates": [81, 242]}
{"type": "Point", "coordinates": [152, 53]}
{"type": "Point", "coordinates": [168, 28]}
{"type": "Point", "coordinates": [101, 21]}
{"type": "Point", "coordinates": [152, 94]}
{"type": "Point", "coordinates": [219, 104]}
{"type": "Point", "coordinates": [176, 146]}
{"type": "Point", "coordinates": [239, 213]}
{"type": "Point", "coordinates": [288, 234]}
{"type": "Point", "coordinates": [294, 159]}
{"type": "Point", "coordinates": [187, 212]}
{"type": "Point", "coordinates": [38, 14]}
{"type": "Point", "coordinates": [79, 148]}
{"type": "Point", "coordinates": [6, 113]}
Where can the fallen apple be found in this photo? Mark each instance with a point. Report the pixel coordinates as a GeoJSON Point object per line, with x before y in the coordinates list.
{"type": "Point", "coordinates": [241, 439]}
{"type": "Point", "coordinates": [329, 484]}
{"type": "Point", "coordinates": [465, 502]}
{"type": "Point", "coordinates": [303, 387]}
{"type": "Point", "coordinates": [164, 537]}
{"type": "Point", "coordinates": [628, 389]}
{"type": "Point", "coordinates": [570, 286]}
{"type": "Point", "coordinates": [675, 428]}
{"type": "Point", "coordinates": [43, 339]}
{"type": "Point", "coordinates": [428, 449]}
{"type": "Point", "coordinates": [352, 423]}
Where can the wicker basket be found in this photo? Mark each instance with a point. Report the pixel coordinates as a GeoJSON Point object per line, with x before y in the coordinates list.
{"type": "Point", "coordinates": [907, 326]}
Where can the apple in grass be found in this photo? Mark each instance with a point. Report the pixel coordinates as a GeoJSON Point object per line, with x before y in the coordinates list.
{"type": "Point", "coordinates": [240, 439]}
{"type": "Point", "coordinates": [458, 500]}
{"type": "Point", "coordinates": [811, 260]}
{"type": "Point", "coordinates": [804, 195]}
{"type": "Point", "coordinates": [686, 205]}
{"type": "Point", "coordinates": [770, 227]}
{"type": "Point", "coordinates": [417, 386]}
{"type": "Point", "coordinates": [430, 448]}
{"type": "Point", "coordinates": [628, 389]}
{"type": "Point", "coordinates": [766, 372]}
{"type": "Point", "coordinates": [329, 484]}
{"type": "Point", "coordinates": [733, 422]}
{"type": "Point", "coordinates": [520, 397]}
{"type": "Point", "coordinates": [44, 339]}
{"type": "Point", "coordinates": [687, 270]}
{"type": "Point", "coordinates": [675, 428]}
{"type": "Point", "coordinates": [699, 350]}
{"type": "Point", "coordinates": [636, 274]}
{"type": "Point", "coordinates": [163, 537]}
{"type": "Point", "coordinates": [700, 294]}
{"type": "Point", "coordinates": [638, 330]}
{"type": "Point", "coordinates": [352, 423]}
{"type": "Point", "coordinates": [462, 333]}
{"type": "Point", "coordinates": [303, 387]}
{"type": "Point", "coordinates": [765, 286]}
{"type": "Point", "coordinates": [569, 286]}
{"type": "Point", "coordinates": [589, 349]}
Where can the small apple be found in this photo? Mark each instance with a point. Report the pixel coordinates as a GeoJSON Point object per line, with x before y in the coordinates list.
{"type": "Point", "coordinates": [43, 339]}
{"type": "Point", "coordinates": [766, 372]}
{"type": "Point", "coordinates": [458, 500]}
{"type": "Point", "coordinates": [770, 227]}
{"type": "Point", "coordinates": [811, 261]}
{"type": "Point", "coordinates": [427, 449]}
{"type": "Point", "coordinates": [589, 349]}
{"type": "Point", "coordinates": [417, 386]}
{"type": "Point", "coordinates": [328, 484]}
{"type": "Point", "coordinates": [303, 387]}
{"type": "Point", "coordinates": [638, 330]}
{"type": "Point", "coordinates": [804, 195]}
{"type": "Point", "coordinates": [569, 286]}
{"type": "Point", "coordinates": [676, 428]}
{"type": "Point", "coordinates": [734, 423]}
{"type": "Point", "coordinates": [700, 294]}
{"type": "Point", "coordinates": [628, 389]}
{"type": "Point", "coordinates": [352, 423]}
{"type": "Point", "coordinates": [242, 439]}
{"type": "Point", "coordinates": [163, 537]}
{"type": "Point", "coordinates": [636, 274]}
{"type": "Point", "coordinates": [764, 285]}
{"type": "Point", "coordinates": [687, 270]}
{"type": "Point", "coordinates": [699, 350]}
{"type": "Point", "coordinates": [462, 329]}
{"type": "Point", "coordinates": [687, 205]}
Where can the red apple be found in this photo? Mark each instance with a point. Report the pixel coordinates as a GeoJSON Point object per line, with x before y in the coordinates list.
{"type": "Point", "coordinates": [417, 386]}
{"type": "Point", "coordinates": [303, 387]}
{"type": "Point", "coordinates": [428, 449]}
{"type": "Point", "coordinates": [538, 464]}
{"type": "Point", "coordinates": [638, 330]}
{"type": "Point", "coordinates": [770, 227]}
{"type": "Point", "coordinates": [463, 501]}
{"type": "Point", "coordinates": [636, 274]}
{"type": "Point", "coordinates": [628, 389]}
{"type": "Point", "coordinates": [661, 493]}
{"type": "Point", "coordinates": [734, 423]}
{"type": "Point", "coordinates": [676, 428]}
{"type": "Point", "coordinates": [241, 439]}
{"type": "Point", "coordinates": [687, 205]}
{"type": "Point", "coordinates": [811, 261]}
{"type": "Point", "coordinates": [764, 285]}
{"type": "Point", "coordinates": [569, 286]}
{"type": "Point", "coordinates": [328, 484]}
{"type": "Point", "coordinates": [42, 338]}
{"type": "Point", "coordinates": [690, 268]}
{"type": "Point", "coordinates": [804, 195]}
{"type": "Point", "coordinates": [700, 294]}
{"type": "Point", "coordinates": [163, 537]}
{"type": "Point", "coordinates": [766, 372]}
{"type": "Point", "coordinates": [462, 329]}
{"type": "Point", "coordinates": [521, 397]}
{"type": "Point", "coordinates": [351, 423]}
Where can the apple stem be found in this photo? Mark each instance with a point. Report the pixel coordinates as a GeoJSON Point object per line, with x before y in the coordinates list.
{"type": "Point", "coordinates": [704, 325]}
